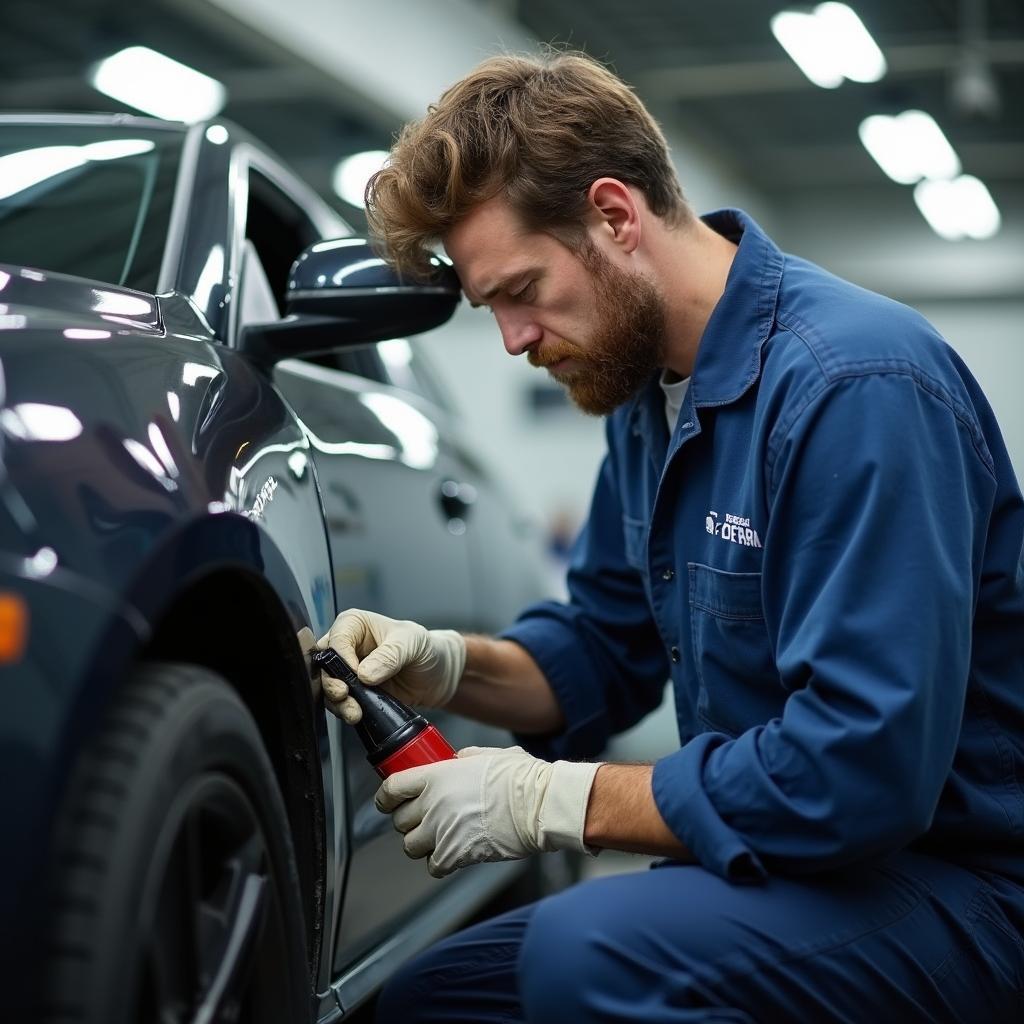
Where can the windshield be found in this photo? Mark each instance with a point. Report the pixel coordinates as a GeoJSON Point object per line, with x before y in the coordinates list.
{"type": "Point", "coordinates": [88, 200]}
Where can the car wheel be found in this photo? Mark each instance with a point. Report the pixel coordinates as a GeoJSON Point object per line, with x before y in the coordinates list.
{"type": "Point", "coordinates": [176, 889]}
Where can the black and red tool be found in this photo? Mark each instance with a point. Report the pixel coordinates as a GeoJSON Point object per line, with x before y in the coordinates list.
{"type": "Point", "coordinates": [395, 736]}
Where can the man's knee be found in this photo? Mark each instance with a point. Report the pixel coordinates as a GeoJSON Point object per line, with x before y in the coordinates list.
{"type": "Point", "coordinates": [472, 968]}
{"type": "Point", "coordinates": [398, 1000]}
{"type": "Point", "coordinates": [594, 951]}
{"type": "Point", "coordinates": [554, 962]}
{"type": "Point", "coordinates": [580, 959]}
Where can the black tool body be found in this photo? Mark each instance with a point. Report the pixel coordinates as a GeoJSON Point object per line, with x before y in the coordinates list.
{"type": "Point", "coordinates": [395, 736]}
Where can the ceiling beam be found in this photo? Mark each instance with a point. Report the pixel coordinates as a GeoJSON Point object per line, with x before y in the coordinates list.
{"type": "Point", "coordinates": [831, 165]}
{"type": "Point", "coordinates": [259, 85]}
{"type": "Point", "coordinates": [742, 78]}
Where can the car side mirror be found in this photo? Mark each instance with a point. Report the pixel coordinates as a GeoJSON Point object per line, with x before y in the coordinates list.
{"type": "Point", "coordinates": [341, 294]}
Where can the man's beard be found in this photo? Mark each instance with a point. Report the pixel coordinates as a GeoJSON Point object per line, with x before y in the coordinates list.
{"type": "Point", "coordinates": [627, 347]}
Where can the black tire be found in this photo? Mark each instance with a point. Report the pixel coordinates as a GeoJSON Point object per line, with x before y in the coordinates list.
{"type": "Point", "coordinates": [174, 878]}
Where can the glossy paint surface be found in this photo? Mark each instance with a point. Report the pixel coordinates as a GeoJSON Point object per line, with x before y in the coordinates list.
{"type": "Point", "coordinates": [139, 450]}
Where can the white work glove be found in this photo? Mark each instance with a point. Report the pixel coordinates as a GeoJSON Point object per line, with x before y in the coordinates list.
{"type": "Point", "coordinates": [418, 665]}
{"type": "Point", "coordinates": [488, 804]}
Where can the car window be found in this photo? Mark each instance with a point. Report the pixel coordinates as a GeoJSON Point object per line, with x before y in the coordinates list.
{"type": "Point", "coordinates": [256, 301]}
{"type": "Point", "coordinates": [278, 229]}
{"type": "Point", "coordinates": [87, 200]}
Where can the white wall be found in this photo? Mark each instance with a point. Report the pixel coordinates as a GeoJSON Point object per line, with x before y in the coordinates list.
{"type": "Point", "coordinates": [879, 240]}
{"type": "Point", "coordinates": [399, 55]}
{"type": "Point", "coordinates": [972, 291]}
{"type": "Point", "coordinates": [989, 336]}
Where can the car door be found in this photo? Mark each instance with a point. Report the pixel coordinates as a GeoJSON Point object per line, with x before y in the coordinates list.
{"type": "Point", "coordinates": [391, 493]}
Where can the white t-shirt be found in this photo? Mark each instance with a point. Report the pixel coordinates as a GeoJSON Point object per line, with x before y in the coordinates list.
{"type": "Point", "coordinates": [674, 388]}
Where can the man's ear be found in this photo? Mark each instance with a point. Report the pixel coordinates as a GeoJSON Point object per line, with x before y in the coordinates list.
{"type": "Point", "coordinates": [613, 213]}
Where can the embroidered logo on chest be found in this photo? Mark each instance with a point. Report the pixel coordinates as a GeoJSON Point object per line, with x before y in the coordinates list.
{"type": "Point", "coordinates": [733, 528]}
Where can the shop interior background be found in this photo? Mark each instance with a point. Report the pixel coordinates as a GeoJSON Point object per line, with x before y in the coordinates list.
{"type": "Point", "coordinates": [323, 81]}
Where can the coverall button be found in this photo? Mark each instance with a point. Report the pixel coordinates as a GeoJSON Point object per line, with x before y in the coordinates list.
{"type": "Point", "coordinates": [674, 652]}
{"type": "Point", "coordinates": [668, 574]}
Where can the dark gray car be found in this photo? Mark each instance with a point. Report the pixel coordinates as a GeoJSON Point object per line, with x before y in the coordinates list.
{"type": "Point", "coordinates": [201, 454]}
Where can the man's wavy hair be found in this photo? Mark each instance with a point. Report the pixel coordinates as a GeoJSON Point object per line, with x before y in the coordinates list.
{"type": "Point", "coordinates": [536, 130]}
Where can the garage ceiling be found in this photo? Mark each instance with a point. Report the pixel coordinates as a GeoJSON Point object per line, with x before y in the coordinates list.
{"type": "Point", "coordinates": [713, 70]}
{"type": "Point", "coordinates": [718, 70]}
{"type": "Point", "coordinates": [302, 114]}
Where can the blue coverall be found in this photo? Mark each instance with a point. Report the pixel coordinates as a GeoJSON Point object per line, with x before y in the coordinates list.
{"type": "Point", "coordinates": [826, 558]}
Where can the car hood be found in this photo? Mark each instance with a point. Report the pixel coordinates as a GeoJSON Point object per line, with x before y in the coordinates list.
{"type": "Point", "coordinates": [39, 299]}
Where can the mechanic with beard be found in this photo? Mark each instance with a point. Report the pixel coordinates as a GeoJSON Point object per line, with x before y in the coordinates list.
{"type": "Point", "coordinates": [806, 518]}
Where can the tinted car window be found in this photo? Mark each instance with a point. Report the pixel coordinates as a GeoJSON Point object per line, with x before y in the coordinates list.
{"type": "Point", "coordinates": [279, 229]}
{"type": "Point", "coordinates": [115, 186]}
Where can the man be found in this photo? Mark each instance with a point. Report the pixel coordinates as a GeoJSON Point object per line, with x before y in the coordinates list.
{"type": "Point", "coordinates": [806, 518]}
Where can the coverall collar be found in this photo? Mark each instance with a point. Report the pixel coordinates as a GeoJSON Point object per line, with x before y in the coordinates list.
{"type": "Point", "coordinates": [729, 355]}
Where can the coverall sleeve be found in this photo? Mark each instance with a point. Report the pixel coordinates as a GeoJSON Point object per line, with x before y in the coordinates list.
{"type": "Point", "coordinates": [600, 651]}
{"type": "Point", "coordinates": [879, 490]}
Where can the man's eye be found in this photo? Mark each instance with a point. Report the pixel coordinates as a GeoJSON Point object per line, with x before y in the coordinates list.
{"type": "Point", "coordinates": [526, 294]}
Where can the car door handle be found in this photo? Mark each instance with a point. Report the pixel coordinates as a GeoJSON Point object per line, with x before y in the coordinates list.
{"type": "Point", "coordinates": [456, 499]}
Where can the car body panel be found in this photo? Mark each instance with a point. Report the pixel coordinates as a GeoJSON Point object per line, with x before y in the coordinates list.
{"type": "Point", "coordinates": [141, 454]}
{"type": "Point", "coordinates": [152, 457]}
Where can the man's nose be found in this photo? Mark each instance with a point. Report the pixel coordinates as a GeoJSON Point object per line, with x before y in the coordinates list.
{"type": "Point", "coordinates": [518, 333]}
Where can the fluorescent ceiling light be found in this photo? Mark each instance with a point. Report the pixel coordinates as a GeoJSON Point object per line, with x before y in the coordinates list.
{"type": "Point", "coordinates": [352, 174]}
{"type": "Point", "coordinates": [961, 208]}
{"type": "Point", "coordinates": [801, 37]}
{"type": "Point", "coordinates": [157, 85]}
{"type": "Point", "coordinates": [856, 53]}
{"type": "Point", "coordinates": [829, 44]}
{"type": "Point", "coordinates": [909, 146]}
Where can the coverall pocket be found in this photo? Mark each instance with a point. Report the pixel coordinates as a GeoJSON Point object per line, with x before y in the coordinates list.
{"type": "Point", "coordinates": [738, 681]}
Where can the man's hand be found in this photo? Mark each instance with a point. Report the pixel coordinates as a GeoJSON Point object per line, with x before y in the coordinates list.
{"type": "Point", "coordinates": [488, 804]}
{"type": "Point", "coordinates": [417, 665]}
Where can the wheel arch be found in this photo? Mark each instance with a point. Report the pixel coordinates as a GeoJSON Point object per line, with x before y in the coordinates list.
{"type": "Point", "coordinates": [252, 646]}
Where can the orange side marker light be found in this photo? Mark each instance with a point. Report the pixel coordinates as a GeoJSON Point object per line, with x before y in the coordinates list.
{"type": "Point", "coordinates": [13, 627]}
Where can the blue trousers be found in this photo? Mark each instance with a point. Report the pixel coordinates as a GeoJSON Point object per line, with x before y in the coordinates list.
{"type": "Point", "coordinates": [905, 940]}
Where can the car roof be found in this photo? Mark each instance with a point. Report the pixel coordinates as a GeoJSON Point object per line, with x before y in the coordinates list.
{"type": "Point", "coordinates": [99, 120]}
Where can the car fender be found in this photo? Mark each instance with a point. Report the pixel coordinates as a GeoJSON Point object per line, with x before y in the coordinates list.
{"type": "Point", "coordinates": [140, 461]}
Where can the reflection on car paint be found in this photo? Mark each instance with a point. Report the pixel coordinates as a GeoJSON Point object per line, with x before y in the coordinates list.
{"type": "Point", "coordinates": [120, 304]}
{"type": "Point", "coordinates": [85, 334]}
{"type": "Point", "coordinates": [36, 421]}
{"type": "Point", "coordinates": [416, 434]}
{"type": "Point", "coordinates": [210, 277]}
{"type": "Point", "coordinates": [41, 564]}
{"type": "Point", "coordinates": [149, 462]}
